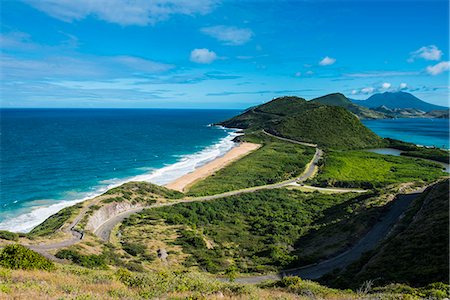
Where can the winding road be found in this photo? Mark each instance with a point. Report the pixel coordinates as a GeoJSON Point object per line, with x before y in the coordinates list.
{"type": "Point", "coordinates": [368, 242]}
{"type": "Point", "coordinates": [376, 234]}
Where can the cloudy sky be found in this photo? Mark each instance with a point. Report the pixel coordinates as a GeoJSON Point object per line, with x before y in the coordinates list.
{"type": "Point", "coordinates": [218, 54]}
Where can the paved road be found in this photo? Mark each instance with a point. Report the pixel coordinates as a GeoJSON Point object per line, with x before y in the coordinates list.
{"type": "Point", "coordinates": [104, 230]}
{"type": "Point", "coordinates": [378, 232]}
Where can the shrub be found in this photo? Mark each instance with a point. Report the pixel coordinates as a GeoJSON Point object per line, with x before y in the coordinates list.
{"type": "Point", "coordinates": [89, 261]}
{"type": "Point", "coordinates": [134, 249]}
{"type": "Point", "coordinates": [8, 235]}
{"type": "Point", "coordinates": [19, 257]}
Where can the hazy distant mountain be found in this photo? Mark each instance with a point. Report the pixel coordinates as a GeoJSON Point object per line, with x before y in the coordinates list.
{"type": "Point", "coordinates": [398, 100]}
{"type": "Point", "coordinates": [337, 99]}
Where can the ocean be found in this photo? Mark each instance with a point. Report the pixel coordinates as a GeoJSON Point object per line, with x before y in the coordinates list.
{"type": "Point", "coordinates": [53, 158]}
{"type": "Point", "coordinates": [425, 132]}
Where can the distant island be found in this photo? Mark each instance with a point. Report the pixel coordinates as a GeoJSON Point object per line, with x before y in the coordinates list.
{"type": "Point", "coordinates": [386, 105]}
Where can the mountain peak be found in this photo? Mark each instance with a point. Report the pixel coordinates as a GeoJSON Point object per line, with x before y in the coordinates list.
{"type": "Point", "coordinates": [395, 100]}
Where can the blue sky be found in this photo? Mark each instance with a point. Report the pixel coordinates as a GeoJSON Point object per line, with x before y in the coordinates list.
{"type": "Point", "coordinates": [218, 54]}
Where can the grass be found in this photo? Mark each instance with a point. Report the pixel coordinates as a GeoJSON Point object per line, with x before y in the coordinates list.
{"type": "Point", "coordinates": [416, 253]}
{"type": "Point", "coordinates": [368, 170]}
{"type": "Point", "coordinates": [253, 233]}
{"type": "Point", "coordinates": [16, 256]}
{"type": "Point", "coordinates": [55, 222]}
{"type": "Point", "coordinates": [275, 161]}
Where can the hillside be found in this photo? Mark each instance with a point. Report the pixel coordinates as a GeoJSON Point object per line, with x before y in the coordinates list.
{"type": "Point", "coordinates": [337, 99]}
{"type": "Point", "coordinates": [417, 251]}
{"type": "Point", "coordinates": [398, 100]}
{"type": "Point", "coordinates": [293, 117]}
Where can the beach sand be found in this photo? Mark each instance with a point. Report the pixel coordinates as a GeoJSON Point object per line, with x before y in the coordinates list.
{"type": "Point", "coordinates": [182, 183]}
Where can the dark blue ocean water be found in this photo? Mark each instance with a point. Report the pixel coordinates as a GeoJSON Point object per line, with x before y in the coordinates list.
{"type": "Point", "coordinates": [53, 157]}
{"type": "Point", "coordinates": [426, 132]}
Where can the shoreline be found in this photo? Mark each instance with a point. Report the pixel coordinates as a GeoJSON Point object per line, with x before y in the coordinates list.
{"type": "Point", "coordinates": [182, 183]}
{"type": "Point", "coordinates": [187, 164]}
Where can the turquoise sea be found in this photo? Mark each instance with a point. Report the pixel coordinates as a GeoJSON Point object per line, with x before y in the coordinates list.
{"type": "Point", "coordinates": [425, 132]}
{"type": "Point", "coordinates": [53, 158]}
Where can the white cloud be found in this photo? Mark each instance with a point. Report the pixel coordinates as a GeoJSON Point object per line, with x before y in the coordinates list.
{"type": "Point", "coordinates": [426, 52]}
{"type": "Point", "coordinates": [354, 92]}
{"type": "Point", "coordinates": [309, 72]}
{"type": "Point", "coordinates": [229, 35]}
{"type": "Point", "coordinates": [203, 56]}
{"type": "Point", "coordinates": [385, 85]}
{"type": "Point", "coordinates": [298, 74]}
{"type": "Point", "coordinates": [438, 68]}
{"type": "Point", "coordinates": [123, 12]}
{"type": "Point", "coordinates": [403, 86]}
{"type": "Point", "coordinates": [381, 74]}
{"type": "Point", "coordinates": [326, 61]}
{"type": "Point", "coordinates": [367, 90]}
{"type": "Point", "coordinates": [141, 64]}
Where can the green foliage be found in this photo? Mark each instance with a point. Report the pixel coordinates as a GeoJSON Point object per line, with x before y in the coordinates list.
{"type": "Point", "coordinates": [327, 126]}
{"type": "Point", "coordinates": [134, 249]}
{"type": "Point", "coordinates": [416, 252]}
{"type": "Point", "coordinates": [8, 235]}
{"type": "Point", "coordinates": [19, 257]}
{"type": "Point", "coordinates": [255, 232]}
{"type": "Point", "coordinates": [155, 284]}
{"type": "Point", "coordinates": [337, 99]}
{"type": "Point", "coordinates": [368, 170]}
{"type": "Point", "coordinates": [307, 288]}
{"type": "Point", "coordinates": [415, 151]}
{"type": "Point", "coordinates": [89, 261]}
{"type": "Point", "coordinates": [292, 117]}
{"type": "Point", "coordinates": [54, 222]}
{"type": "Point", "coordinates": [275, 161]}
{"type": "Point", "coordinates": [144, 189]}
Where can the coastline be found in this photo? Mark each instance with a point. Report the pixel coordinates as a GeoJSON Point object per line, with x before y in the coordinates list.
{"type": "Point", "coordinates": [187, 164]}
{"type": "Point", "coordinates": [181, 184]}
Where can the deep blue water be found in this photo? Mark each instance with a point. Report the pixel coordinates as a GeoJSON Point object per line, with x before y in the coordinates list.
{"type": "Point", "coordinates": [426, 132]}
{"type": "Point", "coordinates": [54, 155]}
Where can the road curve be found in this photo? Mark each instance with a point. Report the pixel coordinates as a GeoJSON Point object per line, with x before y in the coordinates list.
{"type": "Point", "coordinates": [376, 234]}
{"type": "Point", "coordinates": [104, 230]}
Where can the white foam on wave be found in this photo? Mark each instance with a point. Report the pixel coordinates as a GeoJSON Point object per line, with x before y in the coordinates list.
{"type": "Point", "coordinates": [187, 163]}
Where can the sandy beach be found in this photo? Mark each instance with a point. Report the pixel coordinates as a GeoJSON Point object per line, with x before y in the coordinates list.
{"type": "Point", "coordinates": [182, 183]}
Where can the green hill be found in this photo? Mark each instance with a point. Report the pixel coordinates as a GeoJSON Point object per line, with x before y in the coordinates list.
{"type": "Point", "coordinates": [295, 118]}
{"type": "Point", "coordinates": [416, 252]}
{"type": "Point", "coordinates": [337, 99]}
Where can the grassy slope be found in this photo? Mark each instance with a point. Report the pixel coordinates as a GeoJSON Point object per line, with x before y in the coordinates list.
{"type": "Point", "coordinates": [292, 117]}
{"type": "Point", "coordinates": [275, 161]}
{"type": "Point", "coordinates": [253, 232]}
{"type": "Point", "coordinates": [417, 251]}
{"type": "Point", "coordinates": [365, 169]}
{"type": "Point", "coordinates": [327, 126]}
{"type": "Point", "coordinates": [55, 222]}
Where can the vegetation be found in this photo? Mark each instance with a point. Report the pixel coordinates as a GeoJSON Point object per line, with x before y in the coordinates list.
{"type": "Point", "coordinates": [230, 232]}
{"type": "Point", "coordinates": [275, 161]}
{"type": "Point", "coordinates": [89, 261]}
{"type": "Point", "coordinates": [8, 235]}
{"type": "Point", "coordinates": [423, 152]}
{"type": "Point", "coordinates": [416, 252]}
{"type": "Point", "coordinates": [337, 99]}
{"type": "Point", "coordinates": [369, 170]}
{"type": "Point", "coordinates": [142, 191]}
{"type": "Point", "coordinates": [16, 256]}
{"type": "Point", "coordinates": [55, 222]}
{"type": "Point", "coordinates": [295, 118]}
